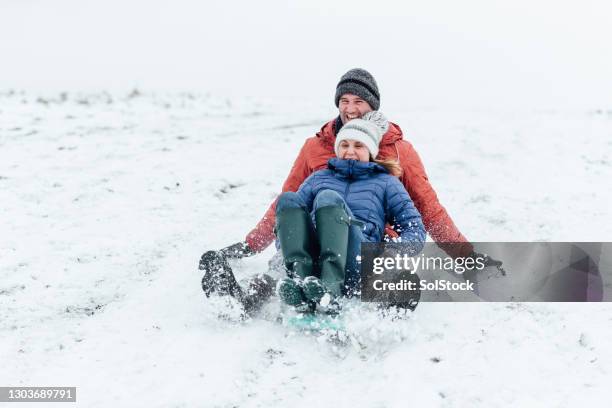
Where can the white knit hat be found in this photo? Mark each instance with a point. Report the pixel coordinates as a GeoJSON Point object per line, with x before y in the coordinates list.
{"type": "Point", "coordinates": [368, 130]}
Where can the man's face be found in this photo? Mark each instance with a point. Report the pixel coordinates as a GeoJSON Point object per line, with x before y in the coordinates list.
{"type": "Point", "coordinates": [352, 107]}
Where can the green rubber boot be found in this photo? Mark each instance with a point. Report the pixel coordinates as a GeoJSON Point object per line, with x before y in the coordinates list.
{"type": "Point", "coordinates": [297, 241]}
{"type": "Point", "coordinates": [313, 289]}
{"type": "Point", "coordinates": [332, 225]}
{"type": "Point", "coordinates": [290, 292]}
{"type": "Point", "coordinates": [317, 294]}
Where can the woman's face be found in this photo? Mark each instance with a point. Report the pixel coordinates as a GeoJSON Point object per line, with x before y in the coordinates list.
{"type": "Point", "coordinates": [353, 149]}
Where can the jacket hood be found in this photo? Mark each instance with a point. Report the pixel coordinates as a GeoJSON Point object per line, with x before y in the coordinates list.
{"type": "Point", "coordinates": [354, 169]}
{"type": "Point", "coordinates": [327, 134]}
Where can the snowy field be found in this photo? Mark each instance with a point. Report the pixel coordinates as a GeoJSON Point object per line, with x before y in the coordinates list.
{"type": "Point", "coordinates": [108, 201]}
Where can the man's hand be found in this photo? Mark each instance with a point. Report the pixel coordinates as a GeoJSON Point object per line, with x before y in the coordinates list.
{"type": "Point", "coordinates": [238, 250]}
{"type": "Point", "coordinates": [488, 261]}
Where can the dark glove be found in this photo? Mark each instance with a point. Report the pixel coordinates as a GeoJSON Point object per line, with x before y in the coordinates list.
{"type": "Point", "coordinates": [488, 261]}
{"type": "Point", "coordinates": [238, 250]}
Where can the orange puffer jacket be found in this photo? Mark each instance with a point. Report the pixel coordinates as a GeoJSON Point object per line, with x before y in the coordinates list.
{"type": "Point", "coordinates": [319, 149]}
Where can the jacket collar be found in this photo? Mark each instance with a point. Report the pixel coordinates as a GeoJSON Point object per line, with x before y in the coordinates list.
{"type": "Point", "coordinates": [353, 169]}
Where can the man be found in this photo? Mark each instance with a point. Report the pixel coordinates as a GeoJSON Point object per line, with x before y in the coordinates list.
{"type": "Point", "coordinates": [356, 94]}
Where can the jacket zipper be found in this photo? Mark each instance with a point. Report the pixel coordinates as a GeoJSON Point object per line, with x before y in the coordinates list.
{"type": "Point", "coordinates": [349, 180]}
{"type": "Point", "coordinates": [346, 190]}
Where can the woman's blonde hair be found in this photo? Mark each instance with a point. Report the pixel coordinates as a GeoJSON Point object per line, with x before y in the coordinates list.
{"type": "Point", "coordinates": [392, 166]}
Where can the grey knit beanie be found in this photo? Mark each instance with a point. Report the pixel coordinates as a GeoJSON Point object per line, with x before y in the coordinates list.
{"type": "Point", "coordinates": [359, 82]}
{"type": "Point", "coordinates": [369, 130]}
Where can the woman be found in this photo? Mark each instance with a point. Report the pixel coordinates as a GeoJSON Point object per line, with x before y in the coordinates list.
{"type": "Point", "coordinates": [321, 226]}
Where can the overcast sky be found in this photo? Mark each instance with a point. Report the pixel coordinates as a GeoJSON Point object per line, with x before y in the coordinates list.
{"type": "Point", "coordinates": [536, 53]}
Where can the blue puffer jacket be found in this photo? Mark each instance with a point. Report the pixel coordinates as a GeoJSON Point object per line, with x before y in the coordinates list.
{"type": "Point", "coordinates": [373, 195]}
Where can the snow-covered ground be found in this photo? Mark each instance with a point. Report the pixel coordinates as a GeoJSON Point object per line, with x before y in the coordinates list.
{"type": "Point", "coordinates": [107, 202]}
